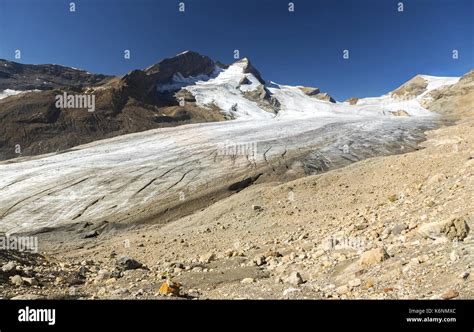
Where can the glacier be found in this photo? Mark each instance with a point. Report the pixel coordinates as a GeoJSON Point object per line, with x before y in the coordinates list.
{"type": "Point", "coordinates": [137, 174]}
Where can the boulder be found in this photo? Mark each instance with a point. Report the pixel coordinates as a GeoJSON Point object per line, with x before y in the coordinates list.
{"type": "Point", "coordinates": [294, 279]}
{"type": "Point", "coordinates": [453, 229]}
{"type": "Point", "coordinates": [374, 256]}
{"type": "Point", "coordinates": [128, 263]}
{"type": "Point", "coordinates": [169, 288]}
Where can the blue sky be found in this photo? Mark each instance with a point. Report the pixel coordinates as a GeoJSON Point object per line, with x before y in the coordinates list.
{"type": "Point", "coordinates": [305, 47]}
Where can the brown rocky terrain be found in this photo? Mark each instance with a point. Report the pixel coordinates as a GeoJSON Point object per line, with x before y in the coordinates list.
{"type": "Point", "coordinates": [45, 77]}
{"type": "Point", "coordinates": [412, 88]}
{"type": "Point", "coordinates": [394, 227]}
{"type": "Point", "coordinates": [124, 105]}
{"type": "Point", "coordinates": [454, 101]}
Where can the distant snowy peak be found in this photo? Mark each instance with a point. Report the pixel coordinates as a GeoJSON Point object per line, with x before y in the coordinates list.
{"type": "Point", "coordinates": [240, 92]}
{"type": "Point", "coordinates": [190, 82]}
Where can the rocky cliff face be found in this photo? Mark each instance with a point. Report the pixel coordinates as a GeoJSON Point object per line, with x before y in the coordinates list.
{"type": "Point", "coordinates": [454, 101]}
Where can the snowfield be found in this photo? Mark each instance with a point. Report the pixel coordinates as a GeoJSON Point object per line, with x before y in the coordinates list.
{"type": "Point", "coordinates": [107, 179]}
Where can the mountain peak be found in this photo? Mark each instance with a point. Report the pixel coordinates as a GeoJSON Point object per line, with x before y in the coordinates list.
{"type": "Point", "coordinates": [187, 63]}
{"type": "Point", "coordinates": [248, 68]}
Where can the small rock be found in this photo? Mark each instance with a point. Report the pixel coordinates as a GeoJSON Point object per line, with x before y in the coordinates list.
{"type": "Point", "coordinates": [83, 270]}
{"type": "Point", "coordinates": [358, 273]}
{"type": "Point", "coordinates": [72, 291]}
{"type": "Point", "coordinates": [456, 229]}
{"type": "Point", "coordinates": [9, 267]}
{"type": "Point", "coordinates": [453, 256]}
{"type": "Point", "coordinates": [247, 281]}
{"type": "Point", "coordinates": [369, 283]}
{"type": "Point", "coordinates": [294, 279]}
{"type": "Point", "coordinates": [392, 198]}
{"type": "Point", "coordinates": [169, 288]}
{"type": "Point", "coordinates": [272, 253]}
{"type": "Point", "coordinates": [398, 229]}
{"type": "Point", "coordinates": [110, 281]}
{"type": "Point", "coordinates": [341, 290]}
{"type": "Point", "coordinates": [464, 275]}
{"type": "Point", "coordinates": [16, 280]}
{"type": "Point", "coordinates": [207, 258]}
{"type": "Point", "coordinates": [449, 294]}
{"type": "Point", "coordinates": [75, 279]}
{"type": "Point", "coordinates": [102, 291]}
{"type": "Point", "coordinates": [374, 256]}
{"type": "Point", "coordinates": [259, 260]}
{"type": "Point", "coordinates": [423, 258]}
{"type": "Point", "coordinates": [355, 282]}
{"type": "Point", "coordinates": [31, 281]}
{"type": "Point", "coordinates": [289, 291]}
{"type": "Point", "coordinates": [257, 208]}
{"type": "Point", "coordinates": [91, 234]}
{"type": "Point", "coordinates": [87, 262]}
{"type": "Point", "coordinates": [128, 263]}
{"type": "Point", "coordinates": [103, 275]}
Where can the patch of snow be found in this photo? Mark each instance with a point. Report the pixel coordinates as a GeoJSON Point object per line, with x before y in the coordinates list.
{"type": "Point", "coordinates": [187, 51]}
{"type": "Point", "coordinates": [8, 92]}
{"type": "Point", "coordinates": [435, 82]}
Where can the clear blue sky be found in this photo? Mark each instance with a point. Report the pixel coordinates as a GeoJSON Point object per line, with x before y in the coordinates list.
{"type": "Point", "coordinates": [304, 47]}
